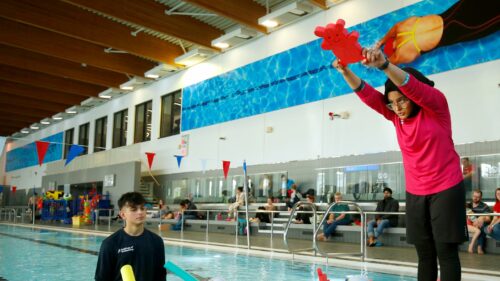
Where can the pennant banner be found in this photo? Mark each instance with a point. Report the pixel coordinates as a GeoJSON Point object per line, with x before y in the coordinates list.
{"type": "Point", "coordinates": [14, 189]}
{"type": "Point", "coordinates": [151, 157]}
{"type": "Point", "coordinates": [225, 167]}
{"type": "Point", "coordinates": [179, 159]}
{"type": "Point", "coordinates": [74, 151]}
{"type": "Point", "coordinates": [245, 166]}
{"type": "Point", "coordinates": [41, 150]}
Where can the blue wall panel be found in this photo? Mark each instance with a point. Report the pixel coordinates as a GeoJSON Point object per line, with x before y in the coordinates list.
{"type": "Point", "coordinates": [26, 156]}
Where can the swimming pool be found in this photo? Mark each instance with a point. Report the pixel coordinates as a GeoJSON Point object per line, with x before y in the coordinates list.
{"type": "Point", "coordinates": [36, 254]}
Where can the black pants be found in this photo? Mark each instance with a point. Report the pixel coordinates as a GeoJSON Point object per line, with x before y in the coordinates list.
{"type": "Point", "coordinates": [428, 255]}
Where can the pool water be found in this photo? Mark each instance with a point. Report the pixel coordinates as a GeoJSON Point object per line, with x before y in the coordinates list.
{"type": "Point", "coordinates": [34, 254]}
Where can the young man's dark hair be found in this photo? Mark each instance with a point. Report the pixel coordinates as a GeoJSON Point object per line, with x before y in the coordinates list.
{"type": "Point", "coordinates": [132, 199]}
{"type": "Point", "coordinates": [132, 245]}
{"type": "Point", "coordinates": [388, 190]}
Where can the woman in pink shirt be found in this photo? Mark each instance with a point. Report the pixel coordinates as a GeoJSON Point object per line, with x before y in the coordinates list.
{"type": "Point", "coordinates": [435, 193]}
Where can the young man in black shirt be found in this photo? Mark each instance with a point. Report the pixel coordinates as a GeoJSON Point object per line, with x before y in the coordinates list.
{"type": "Point", "coordinates": [133, 245]}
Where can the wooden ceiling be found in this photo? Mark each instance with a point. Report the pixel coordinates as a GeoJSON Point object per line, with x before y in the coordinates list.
{"type": "Point", "coordinates": [52, 52]}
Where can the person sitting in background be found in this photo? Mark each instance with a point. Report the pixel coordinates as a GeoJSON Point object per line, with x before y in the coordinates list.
{"type": "Point", "coordinates": [479, 207]}
{"type": "Point", "coordinates": [165, 212]}
{"type": "Point", "coordinates": [233, 207]}
{"type": "Point", "coordinates": [261, 216]}
{"type": "Point", "coordinates": [335, 219]}
{"type": "Point", "coordinates": [493, 229]}
{"type": "Point", "coordinates": [381, 222]}
{"type": "Point", "coordinates": [305, 218]}
{"type": "Point", "coordinates": [184, 213]}
{"type": "Point", "coordinates": [270, 206]}
{"type": "Point", "coordinates": [472, 229]}
{"type": "Point", "coordinates": [295, 197]}
{"type": "Point", "coordinates": [467, 172]}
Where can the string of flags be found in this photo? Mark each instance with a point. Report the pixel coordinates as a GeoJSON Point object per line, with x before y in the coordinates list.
{"type": "Point", "coordinates": [76, 150]}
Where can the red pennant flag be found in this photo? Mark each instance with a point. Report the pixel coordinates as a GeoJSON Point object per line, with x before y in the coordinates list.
{"type": "Point", "coordinates": [14, 189]}
{"type": "Point", "coordinates": [151, 156]}
{"type": "Point", "coordinates": [225, 167]}
{"type": "Point", "coordinates": [41, 150]}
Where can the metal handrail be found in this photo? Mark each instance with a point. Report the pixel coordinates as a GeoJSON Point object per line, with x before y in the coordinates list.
{"type": "Point", "coordinates": [362, 252]}
{"type": "Point", "coordinates": [292, 213]}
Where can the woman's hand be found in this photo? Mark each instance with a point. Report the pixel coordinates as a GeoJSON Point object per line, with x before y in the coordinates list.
{"type": "Point", "coordinates": [339, 67]}
{"type": "Point", "coordinates": [373, 57]}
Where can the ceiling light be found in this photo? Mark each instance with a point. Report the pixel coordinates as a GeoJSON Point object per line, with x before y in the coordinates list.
{"type": "Point", "coordinates": [25, 131]}
{"type": "Point", "coordinates": [58, 116]}
{"type": "Point", "coordinates": [45, 121]}
{"type": "Point", "coordinates": [285, 14]}
{"type": "Point", "coordinates": [160, 71]}
{"type": "Point", "coordinates": [91, 102]}
{"type": "Point", "coordinates": [220, 45]}
{"type": "Point", "coordinates": [111, 93]}
{"type": "Point", "coordinates": [233, 37]}
{"type": "Point", "coordinates": [72, 110]}
{"type": "Point", "coordinates": [134, 83]}
{"type": "Point", "coordinates": [269, 23]}
{"type": "Point", "coordinates": [34, 127]}
{"type": "Point", "coordinates": [194, 56]}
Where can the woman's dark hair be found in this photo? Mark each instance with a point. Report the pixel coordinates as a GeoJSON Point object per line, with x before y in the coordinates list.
{"type": "Point", "coordinates": [132, 199]}
{"type": "Point", "coordinates": [390, 86]}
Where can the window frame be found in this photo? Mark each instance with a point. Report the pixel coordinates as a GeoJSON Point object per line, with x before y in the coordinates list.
{"type": "Point", "coordinates": [137, 138]}
{"type": "Point", "coordinates": [171, 131]}
{"type": "Point", "coordinates": [100, 144]}
{"type": "Point", "coordinates": [122, 134]}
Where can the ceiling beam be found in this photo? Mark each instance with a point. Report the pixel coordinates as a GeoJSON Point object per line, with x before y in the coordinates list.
{"type": "Point", "coordinates": [67, 19]}
{"type": "Point", "coordinates": [38, 93]}
{"type": "Point", "coordinates": [31, 103]}
{"type": "Point", "coordinates": [37, 113]}
{"type": "Point", "coordinates": [245, 12]}
{"type": "Point", "coordinates": [58, 67]}
{"type": "Point", "coordinates": [60, 46]}
{"type": "Point", "coordinates": [15, 124]}
{"type": "Point", "coordinates": [17, 117]}
{"type": "Point", "coordinates": [55, 83]}
{"type": "Point", "coordinates": [151, 15]}
{"type": "Point", "coordinates": [320, 4]}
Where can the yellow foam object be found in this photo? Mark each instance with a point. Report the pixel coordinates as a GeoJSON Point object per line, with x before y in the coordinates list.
{"type": "Point", "coordinates": [127, 273]}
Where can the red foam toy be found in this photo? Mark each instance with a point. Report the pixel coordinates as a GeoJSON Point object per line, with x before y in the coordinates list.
{"type": "Point", "coordinates": [343, 44]}
{"type": "Point", "coordinates": [322, 276]}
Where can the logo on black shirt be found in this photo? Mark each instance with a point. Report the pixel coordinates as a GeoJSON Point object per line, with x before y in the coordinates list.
{"type": "Point", "coordinates": [126, 249]}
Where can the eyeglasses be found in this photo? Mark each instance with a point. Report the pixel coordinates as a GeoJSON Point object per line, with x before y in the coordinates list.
{"type": "Point", "coordinates": [402, 102]}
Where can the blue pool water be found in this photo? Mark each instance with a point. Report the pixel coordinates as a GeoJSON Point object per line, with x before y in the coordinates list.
{"type": "Point", "coordinates": [33, 254]}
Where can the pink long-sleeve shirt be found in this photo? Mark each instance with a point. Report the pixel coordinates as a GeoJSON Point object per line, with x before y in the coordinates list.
{"type": "Point", "coordinates": [430, 161]}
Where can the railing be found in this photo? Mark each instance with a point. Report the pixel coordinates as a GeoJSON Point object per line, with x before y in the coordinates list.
{"type": "Point", "coordinates": [4, 212]}
{"type": "Point", "coordinates": [362, 252]}
{"type": "Point", "coordinates": [292, 213]}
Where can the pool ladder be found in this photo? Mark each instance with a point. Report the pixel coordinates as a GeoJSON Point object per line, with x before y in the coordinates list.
{"type": "Point", "coordinates": [317, 227]}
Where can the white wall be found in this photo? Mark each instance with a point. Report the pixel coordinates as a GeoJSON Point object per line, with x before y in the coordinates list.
{"type": "Point", "coordinates": [299, 133]}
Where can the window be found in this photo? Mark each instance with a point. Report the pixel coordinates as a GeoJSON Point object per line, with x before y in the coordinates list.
{"type": "Point", "coordinates": [101, 125]}
{"type": "Point", "coordinates": [143, 114]}
{"type": "Point", "coordinates": [120, 128]}
{"type": "Point", "coordinates": [83, 137]}
{"type": "Point", "coordinates": [170, 114]}
{"type": "Point", "coordinates": [68, 141]}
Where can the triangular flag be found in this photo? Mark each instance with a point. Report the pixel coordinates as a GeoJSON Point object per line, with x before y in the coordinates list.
{"type": "Point", "coordinates": [151, 156]}
{"type": "Point", "coordinates": [203, 165]}
{"type": "Point", "coordinates": [179, 159]}
{"type": "Point", "coordinates": [74, 151]}
{"type": "Point", "coordinates": [245, 166]}
{"type": "Point", "coordinates": [41, 150]}
{"type": "Point", "coordinates": [225, 167]}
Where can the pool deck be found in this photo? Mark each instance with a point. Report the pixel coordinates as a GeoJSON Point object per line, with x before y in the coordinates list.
{"type": "Point", "coordinates": [400, 260]}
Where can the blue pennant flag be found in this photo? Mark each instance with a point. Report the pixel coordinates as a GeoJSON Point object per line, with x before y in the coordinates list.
{"type": "Point", "coordinates": [245, 166]}
{"type": "Point", "coordinates": [179, 159]}
{"type": "Point", "coordinates": [74, 151]}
